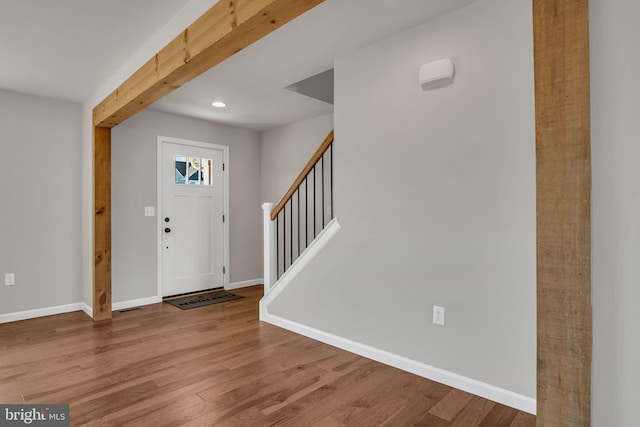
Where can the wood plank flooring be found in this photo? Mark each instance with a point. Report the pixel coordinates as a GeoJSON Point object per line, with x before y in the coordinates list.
{"type": "Point", "coordinates": [218, 366]}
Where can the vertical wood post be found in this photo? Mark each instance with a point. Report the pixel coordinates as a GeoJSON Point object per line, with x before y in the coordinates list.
{"type": "Point", "coordinates": [101, 223]}
{"type": "Point", "coordinates": [563, 171]}
{"type": "Point", "coordinates": [270, 248]}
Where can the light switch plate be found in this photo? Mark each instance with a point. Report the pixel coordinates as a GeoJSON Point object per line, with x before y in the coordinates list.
{"type": "Point", "coordinates": [149, 211]}
{"type": "Point", "coordinates": [9, 279]}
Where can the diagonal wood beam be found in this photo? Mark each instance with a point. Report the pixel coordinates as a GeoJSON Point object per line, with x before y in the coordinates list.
{"type": "Point", "coordinates": [563, 176]}
{"type": "Point", "coordinates": [225, 29]}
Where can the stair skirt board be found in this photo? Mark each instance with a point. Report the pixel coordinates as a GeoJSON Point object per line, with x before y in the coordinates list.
{"type": "Point", "coordinates": [487, 391]}
{"type": "Point", "coordinates": [314, 248]}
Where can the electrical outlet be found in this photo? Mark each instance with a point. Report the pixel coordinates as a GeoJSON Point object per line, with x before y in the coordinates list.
{"type": "Point", "coordinates": [438, 315]}
{"type": "Point", "coordinates": [9, 279]}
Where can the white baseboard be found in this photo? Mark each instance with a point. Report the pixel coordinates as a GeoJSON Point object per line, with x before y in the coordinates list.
{"type": "Point", "coordinates": [123, 305]}
{"type": "Point", "coordinates": [488, 391]}
{"type": "Point", "coordinates": [88, 310]}
{"type": "Point", "coordinates": [246, 283]}
{"type": "Point", "coordinates": [40, 312]}
{"type": "Point", "coordinates": [68, 308]}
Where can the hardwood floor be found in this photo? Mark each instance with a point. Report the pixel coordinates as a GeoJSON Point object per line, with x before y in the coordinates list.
{"type": "Point", "coordinates": [218, 365]}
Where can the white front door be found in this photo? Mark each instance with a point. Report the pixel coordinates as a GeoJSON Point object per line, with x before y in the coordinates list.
{"type": "Point", "coordinates": [191, 218]}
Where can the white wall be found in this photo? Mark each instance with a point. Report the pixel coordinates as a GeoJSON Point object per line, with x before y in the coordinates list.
{"type": "Point", "coordinates": [615, 92]}
{"type": "Point", "coordinates": [40, 179]}
{"type": "Point", "coordinates": [285, 150]}
{"type": "Point", "coordinates": [436, 195]}
{"type": "Point", "coordinates": [134, 236]}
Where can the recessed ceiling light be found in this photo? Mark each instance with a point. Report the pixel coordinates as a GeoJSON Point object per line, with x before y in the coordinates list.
{"type": "Point", "coordinates": [218, 104]}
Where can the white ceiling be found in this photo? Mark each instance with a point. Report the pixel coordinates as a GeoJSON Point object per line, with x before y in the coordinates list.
{"type": "Point", "coordinates": [64, 49]}
{"type": "Point", "coordinates": [67, 49]}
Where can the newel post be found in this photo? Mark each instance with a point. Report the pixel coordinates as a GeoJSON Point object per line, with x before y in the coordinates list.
{"type": "Point", "coordinates": [269, 228]}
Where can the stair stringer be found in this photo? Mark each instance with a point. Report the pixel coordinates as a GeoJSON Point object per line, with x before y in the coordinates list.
{"type": "Point", "coordinates": [324, 237]}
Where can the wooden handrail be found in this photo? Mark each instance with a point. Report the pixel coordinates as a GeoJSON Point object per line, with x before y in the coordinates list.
{"type": "Point", "coordinates": [303, 174]}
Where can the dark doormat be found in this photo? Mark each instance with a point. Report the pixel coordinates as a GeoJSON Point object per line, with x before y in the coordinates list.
{"type": "Point", "coordinates": [194, 301]}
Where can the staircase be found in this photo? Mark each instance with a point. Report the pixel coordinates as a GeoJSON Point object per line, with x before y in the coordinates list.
{"type": "Point", "coordinates": [297, 227]}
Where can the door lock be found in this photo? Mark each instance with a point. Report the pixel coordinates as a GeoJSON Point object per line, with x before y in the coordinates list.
{"type": "Point", "coordinates": [167, 230]}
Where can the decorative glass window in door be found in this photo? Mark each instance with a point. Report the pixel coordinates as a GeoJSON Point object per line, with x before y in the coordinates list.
{"type": "Point", "coordinates": [193, 170]}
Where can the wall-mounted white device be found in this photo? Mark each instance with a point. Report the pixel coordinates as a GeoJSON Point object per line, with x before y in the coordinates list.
{"type": "Point", "coordinates": [437, 74]}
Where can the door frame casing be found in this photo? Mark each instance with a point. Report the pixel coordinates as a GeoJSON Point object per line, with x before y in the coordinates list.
{"type": "Point", "coordinates": [225, 201]}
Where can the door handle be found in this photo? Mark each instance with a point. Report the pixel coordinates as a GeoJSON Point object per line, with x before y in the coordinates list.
{"type": "Point", "coordinates": [166, 219]}
{"type": "Point", "coordinates": [167, 230]}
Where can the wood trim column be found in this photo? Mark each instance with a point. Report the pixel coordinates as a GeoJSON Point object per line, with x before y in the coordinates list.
{"type": "Point", "coordinates": [563, 170]}
{"type": "Point", "coordinates": [101, 223]}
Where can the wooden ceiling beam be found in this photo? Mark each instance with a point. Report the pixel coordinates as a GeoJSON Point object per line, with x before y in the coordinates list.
{"type": "Point", "coordinates": [225, 29]}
